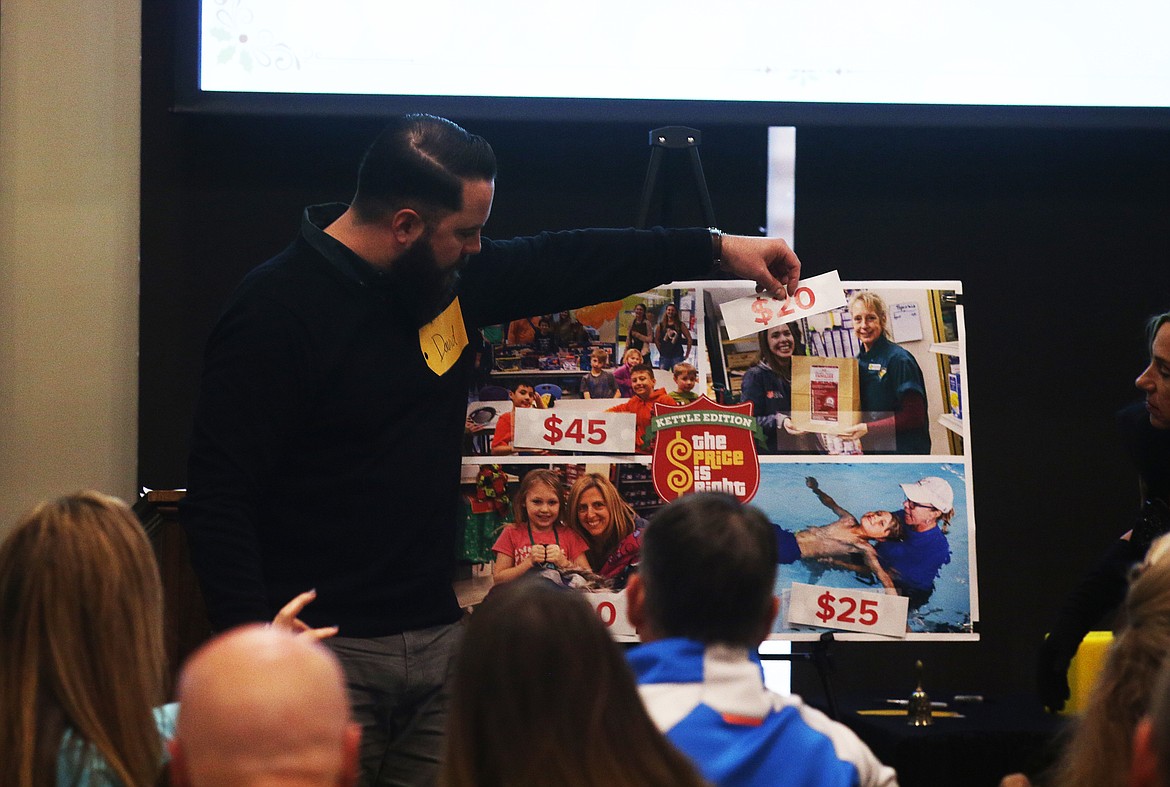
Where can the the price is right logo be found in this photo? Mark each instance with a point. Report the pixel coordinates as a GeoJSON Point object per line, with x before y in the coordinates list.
{"type": "Point", "coordinates": [847, 610]}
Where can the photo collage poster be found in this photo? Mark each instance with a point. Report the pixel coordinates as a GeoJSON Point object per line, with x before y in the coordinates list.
{"type": "Point", "coordinates": [551, 394]}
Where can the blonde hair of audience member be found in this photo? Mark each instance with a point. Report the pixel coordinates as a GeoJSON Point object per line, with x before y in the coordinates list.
{"type": "Point", "coordinates": [1098, 754]}
{"type": "Point", "coordinates": [82, 641]}
{"type": "Point", "coordinates": [542, 695]}
{"type": "Point", "coordinates": [1151, 740]}
{"type": "Point", "coordinates": [262, 706]}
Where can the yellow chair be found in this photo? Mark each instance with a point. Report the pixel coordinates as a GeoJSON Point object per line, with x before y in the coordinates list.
{"type": "Point", "coordinates": [1084, 668]}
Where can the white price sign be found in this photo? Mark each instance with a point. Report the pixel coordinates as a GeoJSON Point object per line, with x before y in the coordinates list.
{"type": "Point", "coordinates": [599, 432]}
{"type": "Point", "coordinates": [848, 610]}
{"type": "Point", "coordinates": [756, 313]}
{"type": "Point", "coordinates": [611, 610]}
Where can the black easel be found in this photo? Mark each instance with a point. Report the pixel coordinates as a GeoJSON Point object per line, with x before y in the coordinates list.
{"type": "Point", "coordinates": [822, 660]}
{"type": "Point", "coordinates": [688, 139]}
{"type": "Point", "coordinates": [674, 138]}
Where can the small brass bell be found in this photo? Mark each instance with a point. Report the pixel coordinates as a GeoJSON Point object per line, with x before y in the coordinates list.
{"type": "Point", "coordinates": [918, 712]}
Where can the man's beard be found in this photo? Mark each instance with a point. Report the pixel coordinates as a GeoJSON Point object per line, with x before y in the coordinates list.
{"type": "Point", "coordinates": [421, 284]}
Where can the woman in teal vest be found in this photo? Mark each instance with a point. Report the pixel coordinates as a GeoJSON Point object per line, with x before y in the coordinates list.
{"type": "Point", "coordinates": [893, 392]}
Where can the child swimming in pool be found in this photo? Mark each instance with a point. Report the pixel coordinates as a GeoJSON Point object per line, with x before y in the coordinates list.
{"type": "Point", "coordinates": [842, 543]}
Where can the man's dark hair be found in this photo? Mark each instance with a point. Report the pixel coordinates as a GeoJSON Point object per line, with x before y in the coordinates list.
{"type": "Point", "coordinates": [420, 161]}
{"type": "Point", "coordinates": [1155, 324]}
{"type": "Point", "coordinates": [708, 567]}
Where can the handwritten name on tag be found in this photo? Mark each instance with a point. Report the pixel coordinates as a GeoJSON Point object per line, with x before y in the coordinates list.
{"type": "Point", "coordinates": [442, 339]}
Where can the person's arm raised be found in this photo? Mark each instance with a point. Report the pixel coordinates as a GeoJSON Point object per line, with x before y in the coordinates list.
{"type": "Point", "coordinates": [769, 262]}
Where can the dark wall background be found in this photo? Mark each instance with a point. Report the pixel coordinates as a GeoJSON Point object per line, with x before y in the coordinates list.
{"type": "Point", "coordinates": [1059, 236]}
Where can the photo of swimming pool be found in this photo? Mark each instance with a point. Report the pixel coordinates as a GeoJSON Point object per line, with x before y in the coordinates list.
{"type": "Point", "coordinates": [860, 487]}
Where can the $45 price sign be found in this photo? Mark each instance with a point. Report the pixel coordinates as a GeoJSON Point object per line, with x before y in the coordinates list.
{"type": "Point", "coordinates": [756, 313]}
{"type": "Point", "coordinates": [574, 430]}
{"type": "Point", "coordinates": [848, 610]}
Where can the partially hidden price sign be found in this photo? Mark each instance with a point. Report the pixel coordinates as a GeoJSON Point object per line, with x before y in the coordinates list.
{"type": "Point", "coordinates": [611, 611]}
{"type": "Point", "coordinates": [848, 610]}
{"type": "Point", "coordinates": [745, 316]}
{"type": "Point", "coordinates": [574, 430]}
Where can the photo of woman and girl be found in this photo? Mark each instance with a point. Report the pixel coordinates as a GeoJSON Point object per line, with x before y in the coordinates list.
{"type": "Point", "coordinates": [587, 538]}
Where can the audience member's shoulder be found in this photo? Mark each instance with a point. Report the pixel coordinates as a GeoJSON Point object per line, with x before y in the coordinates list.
{"type": "Point", "coordinates": [165, 717]}
{"type": "Point", "coordinates": [846, 745]}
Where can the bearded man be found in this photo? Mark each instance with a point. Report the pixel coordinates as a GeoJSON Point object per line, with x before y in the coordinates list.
{"type": "Point", "coordinates": [326, 443]}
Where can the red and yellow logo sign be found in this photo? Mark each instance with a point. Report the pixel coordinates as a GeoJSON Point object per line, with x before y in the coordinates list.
{"type": "Point", "coordinates": [705, 447]}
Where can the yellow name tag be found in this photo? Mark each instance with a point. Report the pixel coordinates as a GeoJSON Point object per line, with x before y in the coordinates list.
{"type": "Point", "coordinates": [442, 339]}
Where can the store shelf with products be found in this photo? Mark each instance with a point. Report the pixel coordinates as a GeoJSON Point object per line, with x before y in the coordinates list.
{"type": "Point", "coordinates": [952, 423]}
{"type": "Point", "coordinates": [951, 378]}
{"type": "Point", "coordinates": [636, 486]}
{"type": "Point", "coordinates": [738, 362]}
{"type": "Point", "coordinates": [736, 356]}
{"type": "Point", "coordinates": [950, 366]}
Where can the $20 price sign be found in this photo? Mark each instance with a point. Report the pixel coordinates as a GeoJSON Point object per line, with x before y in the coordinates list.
{"type": "Point", "coordinates": [574, 430]}
{"type": "Point", "coordinates": [756, 313]}
{"type": "Point", "coordinates": [848, 610]}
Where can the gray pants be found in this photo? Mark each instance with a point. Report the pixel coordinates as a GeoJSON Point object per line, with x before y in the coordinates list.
{"type": "Point", "coordinates": [398, 688]}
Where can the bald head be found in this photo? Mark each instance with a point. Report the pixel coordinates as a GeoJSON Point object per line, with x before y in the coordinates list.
{"type": "Point", "coordinates": [260, 706]}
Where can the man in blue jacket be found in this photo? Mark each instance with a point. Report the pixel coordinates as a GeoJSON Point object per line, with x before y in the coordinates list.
{"type": "Point", "coordinates": [702, 601]}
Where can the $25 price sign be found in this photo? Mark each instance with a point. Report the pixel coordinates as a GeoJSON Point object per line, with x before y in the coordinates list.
{"type": "Point", "coordinates": [848, 610]}
{"type": "Point", "coordinates": [756, 313]}
{"type": "Point", "coordinates": [574, 430]}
